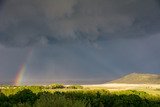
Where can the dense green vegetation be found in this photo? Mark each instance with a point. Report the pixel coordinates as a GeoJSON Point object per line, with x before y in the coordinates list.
{"type": "Point", "coordinates": [41, 96]}
{"type": "Point", "coordinates": [139, 78]}
{"type": "Point", "coordinates": [75, 87]}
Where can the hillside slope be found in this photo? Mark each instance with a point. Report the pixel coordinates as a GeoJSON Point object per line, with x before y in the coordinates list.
{"type": "Point", "coordinates": [139, 78]}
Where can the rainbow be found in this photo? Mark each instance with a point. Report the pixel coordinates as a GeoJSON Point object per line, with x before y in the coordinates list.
{"type": "Point", "coordinates": [22, 69]}
{"type": "Point", "coordinates": [19, 75]}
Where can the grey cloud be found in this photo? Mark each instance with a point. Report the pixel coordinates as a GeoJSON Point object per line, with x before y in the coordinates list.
{"type": "Point", "coordinates": [11, 60]}
{"type": "Point", "coordinates": [28, 22]}
{"type": "Point", "coordinates": [76, 61]}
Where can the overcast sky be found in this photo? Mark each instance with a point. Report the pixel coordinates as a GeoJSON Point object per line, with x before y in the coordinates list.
{"type": "Point", "coordinates": [78, 39]}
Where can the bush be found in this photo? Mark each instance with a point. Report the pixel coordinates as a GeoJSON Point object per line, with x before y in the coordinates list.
{"type": "Point", "coordinates": [75, 87]}
{"type": "Point", "coordinates": [54, 100]}
{"type": "Point", "coordinates": [24, 96]}
{"type": "Point", "coordinates": [3, 98]}
{"type": "Point", "coordinates": [57, 86]}
{"type": "Point", "coordinates": [4, 101]}
{"type": "Point", "coordinates": [22, 105]}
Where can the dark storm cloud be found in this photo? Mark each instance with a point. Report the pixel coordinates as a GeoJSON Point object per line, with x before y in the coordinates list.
{"type": "Point", "coordinates": [10, 62]}
{"type": "Point", "coordinates": [78, 61]}
{"type": "Point", "coordinates": [158, 1]}
{"type": "Point", "coordinates": [29, 22]}
{"type": "Point", "coordinates": [1, 1]}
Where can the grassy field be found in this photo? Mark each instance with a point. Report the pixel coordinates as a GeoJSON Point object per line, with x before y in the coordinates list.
{"type": "Point", "coordinates": [100, 95]}
{"type": "Point", "coordinates": [149, 88]}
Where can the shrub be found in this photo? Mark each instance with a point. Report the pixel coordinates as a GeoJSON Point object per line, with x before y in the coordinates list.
{"type": "Point", "coordinates": [24, 96]}
{"type": "Point", "coordinates": [75, 87]}
{"type": "Point", "coordinates": [57, 86]}
{"type": "Point", "coordinates": [3, 98]}
{"type": "Point", "coordinates": [54, 100]}
{"type": "Point", "coordinates": [4, 101]}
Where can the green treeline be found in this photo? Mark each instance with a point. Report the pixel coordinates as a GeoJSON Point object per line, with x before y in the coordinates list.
{"type": "Point", "coordinates": [36, 97]}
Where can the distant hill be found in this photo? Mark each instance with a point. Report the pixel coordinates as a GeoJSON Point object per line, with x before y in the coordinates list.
{"type": "Point", "coordinates": [139, 78]}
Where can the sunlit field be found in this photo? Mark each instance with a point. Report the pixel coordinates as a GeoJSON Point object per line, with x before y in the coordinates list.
{"type": "Point", "coordinates": [149, 88]}
{"type": "Point", "coordinates": [102, 95]}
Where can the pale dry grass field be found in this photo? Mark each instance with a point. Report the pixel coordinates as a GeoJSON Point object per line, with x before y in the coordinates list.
{"type": "Point", "coordinates": [149, 88]}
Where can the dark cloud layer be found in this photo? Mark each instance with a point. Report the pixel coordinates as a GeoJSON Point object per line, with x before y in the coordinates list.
{"type": "Point", "coordinates": [10, 61]}
{"type": "Point", "coordinates": [30, 22]}
{"type": "Point", "coordinates": [56, 36]}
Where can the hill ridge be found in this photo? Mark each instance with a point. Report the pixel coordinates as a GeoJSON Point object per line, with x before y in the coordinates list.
{"type": "Point", "coordinates": [138, 78]}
